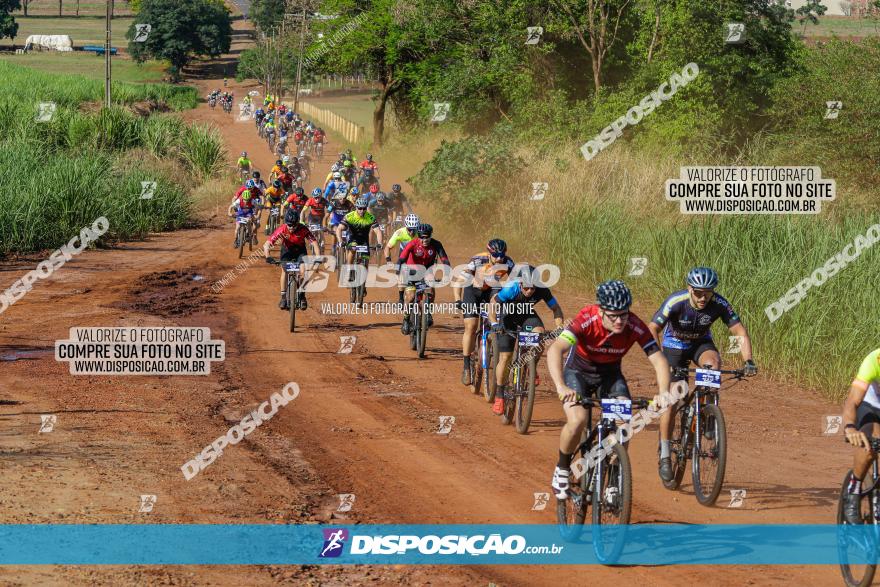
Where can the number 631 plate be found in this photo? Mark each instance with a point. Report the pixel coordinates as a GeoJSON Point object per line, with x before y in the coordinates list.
{"type": "Point", "coordinates": [618, 409]}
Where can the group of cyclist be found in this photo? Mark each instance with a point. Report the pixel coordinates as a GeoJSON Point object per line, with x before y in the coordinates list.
{"type": "Point", "coordinates": [286, 132]}
{"type": "Point", "coordinates": [224, 98]}
{"type": "Point", "coordinates": [584, 360]}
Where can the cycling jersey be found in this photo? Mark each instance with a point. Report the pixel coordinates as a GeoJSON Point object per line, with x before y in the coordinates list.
{"type": "Point", "coordinates": [380, 211]}
{"type": "Point", "coordinates": [483, 268]}
{"type": "Point", "coordinates": [255, 192]}
{"type": "Point", "coordinates": [245, 204]}
{"type": "Point", "coordinates": [685, 324]}
{"type": "Point", "coordinates": [869, 372]}
{"type": "Point", "coordinates": [274, 195]}
{"type": "Point", "coordinates": [415, 253]}
{"type": "Point", "coordinates": [296, 202]}
{"type": "Point", "coordinates": [511, 297]}
{"type": "Point", "coordinates": [286, 180]}
{"type": "Point", "coordinates": [401, 236]}
{"type": "Point", "coordinates": [276, 169]}
{"type": "Point", "coordinates": [317, 206]}
{"type": "Point", "coordinates": [594, 344]}
{"type": "Point", "coordinates": [319, 137]}
{"type": "Point", "coordinates": [244, 163]}
{"type": "Point", "coordinates": [359, 226]}
{"type": "Point", "coordinates": [292, 239]}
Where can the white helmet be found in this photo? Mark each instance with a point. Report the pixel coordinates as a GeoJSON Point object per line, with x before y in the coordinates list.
{"type": "Point", "coordinates": [302, 153]}
{"type": "Point", "coordinates": [411, 221]}
{"type": "Point", "coordinates": [337, 175]}
{"type": "Point", "coordinates": [285, 159]}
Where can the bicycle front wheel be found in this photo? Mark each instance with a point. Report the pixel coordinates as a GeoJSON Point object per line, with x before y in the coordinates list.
{"type": "Point", "coordinates": [525, 401]}
{"type": "Point", "coordinates": [855, 551]}
{"type": "Point", "coordinates": [709, 455]}
{"type": "Point", "coordinates": [242, 235]}
{"type": "Point", "coordinates": [612, 505]}
{"type": "Point", "coordinates": [292, 301]}
{"type": "Point", "coordinates": [490, 385]}
{"type": "Point", "coordinates": [422, 319]}
{"type": "Point", "coordinates": [678, 449]}
{"type": "Point", "coordinates": [572, 511]}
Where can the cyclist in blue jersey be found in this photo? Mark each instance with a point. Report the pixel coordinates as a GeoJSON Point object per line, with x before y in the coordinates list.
{"type": "Point", "coordinates": [514, 307]}
{"type": "Point", "coordinates": [682, 327]}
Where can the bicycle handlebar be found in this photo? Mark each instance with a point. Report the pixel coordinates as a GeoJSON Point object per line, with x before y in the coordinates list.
{"type": "Point", "coordinates": [737, 373]}
{"type": "Point", "coordinates": [593, 402]}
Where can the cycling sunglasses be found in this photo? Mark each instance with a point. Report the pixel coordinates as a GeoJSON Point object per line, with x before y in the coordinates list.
{"type": "Point", "coordinates": [621, 317]}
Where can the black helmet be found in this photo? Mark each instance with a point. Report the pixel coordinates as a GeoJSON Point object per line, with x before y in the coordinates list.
{"type": "Point", "coordinates": [395, 188]}
{"type": "Point", "coordinates": [613, 295]}
{"type": "Point", "coordinates": [291, 217]}
{"type": "Point", "coordinates": [299, 191]}
{"type": "Point", "coordinates": [278, 162]}
{"type": "Point", "coordinates": [425, 230]}
{"type": "Point", "coordinates": [702, 278]}
{"type": "Point", "coordinates": [256, 175]}
{"type": "Point", "coordinates": [276, 183]}
{"type": "Point", "coordinates": [497, 246]}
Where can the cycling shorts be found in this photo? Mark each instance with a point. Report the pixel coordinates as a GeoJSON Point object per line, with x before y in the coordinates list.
{"type": "Point", "coordinates": [684, 357]}
{"type": "Point", "coordinates": [336, 218]}
{"type": "Point", "coordinates": [472, 298]}
{"type": "Point", "coordinates": [866, 416]}
{"type": "Point", "coordinates": [292, 254]}
{"type": "Point", "coordinates": [607, 380]}
{"type": "Point", "coordinates": [525, 322]}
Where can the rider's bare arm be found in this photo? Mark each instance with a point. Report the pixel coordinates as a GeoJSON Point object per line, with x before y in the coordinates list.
{"type": "Point", "coordinates": [855, 396]}
{"type": "Point", "coordinates": [661, 368]}
{"type": "Point", "coordinates": [746, 348]}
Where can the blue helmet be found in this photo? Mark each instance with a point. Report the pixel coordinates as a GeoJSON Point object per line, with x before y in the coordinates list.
{"type": "Point", "coordinates": [702, 278]}
{"type": "Point", "coordinates": [613, 295]}
{"type": "Point", "coordinates": [360, 203]}
{"type": "Point", "coordinates": [250, 184]}
{"type": "Point", "coordinates": [317, 192]}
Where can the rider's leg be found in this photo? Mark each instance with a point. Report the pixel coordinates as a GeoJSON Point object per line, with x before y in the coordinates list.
{"type": "Point", "coordinates": [283, 283]}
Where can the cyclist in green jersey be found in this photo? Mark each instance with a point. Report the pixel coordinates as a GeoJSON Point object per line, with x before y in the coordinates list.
{"type": "Point", "coordinates": [400, 237]}
{"type": "Point", "coordinates": [861, 420]}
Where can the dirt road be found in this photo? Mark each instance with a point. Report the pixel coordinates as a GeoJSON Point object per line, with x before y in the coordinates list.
{"type": "Point", "coordinates": [365, 423]}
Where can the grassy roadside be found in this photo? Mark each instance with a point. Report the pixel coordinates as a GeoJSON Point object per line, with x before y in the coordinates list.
{"type": "Point", "coordinates": [83, 162]}
{"type": "Point", "coordinates": [88, 65]}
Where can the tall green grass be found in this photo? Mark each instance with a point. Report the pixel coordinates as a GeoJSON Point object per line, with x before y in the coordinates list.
{"type": "Point", "coordinates": [596, 217]}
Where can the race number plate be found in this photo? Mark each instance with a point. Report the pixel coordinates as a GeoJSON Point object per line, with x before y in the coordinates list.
{"type": "Point", "coordinates": [619, 409]}
{"type": "Point", "coordinates": [244, 219]}
{"type": "Point", "coordinates": [527, 339]}
{"type": "Point", "coordinates": [291, 266]}
{"type": "Point", "coordinates": [362, 249]}
{"type": "Point", "coordinates": [274, 212]}
{"type": "Point", "coordinates": [315, 227]}
{"type": "Point", "coordinates": [707, 378]}
{"type": "Point", "coordinates": [421, 286]}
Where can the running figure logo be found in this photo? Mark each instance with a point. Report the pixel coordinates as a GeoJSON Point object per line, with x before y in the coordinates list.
{"type": "Point", "coordinates": [441, 109]}
{"type": "Point", "coordinates": [832, 425]}
{"type": "Point", "coordinates": [47, 422]}
{"type": "Point", "coordinates": [45, 112]}
{"type": "Point", "coordinates": [147, 503]}
{"type": "Point", "coordinates": [737, 497]}
{"type": "Point", "coordinates": [333, 542]}
{"type": "Point", "coordinates": [534, 33]}
{"type": "Point", "coordinates": [734, 344]}
{"type": "Point", "coordinates": [148, 188]}
{"type": "Point", "coordinates": [735, 33]}
{"type": "Point", "coordinates": [141, 32]}
{"type": "Point", "coordinates": [541, 501]}
{"type": "Point", "coordinates": [346, 344]}
{"type": "Point", "coordinates": [446, 423]}
{"type": "Point", "coordinates": [539, 190]}
{"type": "Point", "coordinates": [833, 109]}
{"type": "Point", "coordinates": [346, 502]}
{"type": "Point", "coordinates": [637, 266]}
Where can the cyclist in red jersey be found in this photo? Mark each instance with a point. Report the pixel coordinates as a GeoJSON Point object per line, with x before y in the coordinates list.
{"type": "Point", "coordinates": [601, 335]}
{"type": "Point", "coordinates": [420, 255]}
{"type": "Point", "coordinates": [294, 238]}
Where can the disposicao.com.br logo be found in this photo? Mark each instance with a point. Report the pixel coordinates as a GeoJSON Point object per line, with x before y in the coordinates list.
{"type": "Point", "coordinates": [451, 544]}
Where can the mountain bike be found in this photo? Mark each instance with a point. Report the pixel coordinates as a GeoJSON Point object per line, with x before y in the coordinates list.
{"type": "Point", "coordinates": [270, 137]}
{"type": "Point", "coordinates": [361, 257]}
{"type": "Point", "coordinates": [339, 251]}
{"type": "Point", "coordinates": [274, 219]}
{"type": "Point", "coordinates": [483, 360]}
{"type": "Point", "coordinates": [520, 398]}
{"type": "Point", "coordinates": [418, 317]}
{"type": "Point", "coordinates": [319, 149]}
{"type": "Point", "coordinates": [244, 234]}
{"type": "Point", "coordinates": [397, 223]}
{"type": "Point", "coordinates": [377, 247]}
{"type": "Point", "coordinates": [318, 232]}
{"type": "Point", "coordinates": [605, 484]}
{"type": "Point", "coordinates": [700, 434]}
{"type": "Point", "coordinates": [861, 574]}
{"type": "Point", "coordinates": [294, 284]}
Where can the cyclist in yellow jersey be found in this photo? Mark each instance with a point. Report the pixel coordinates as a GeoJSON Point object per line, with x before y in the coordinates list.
{"type": "Point", "coordinates": [401, 237]}
{"type": "Point", "coordinates": [861, 420]}
{"type": "Point", "coordinates": [276, 169]}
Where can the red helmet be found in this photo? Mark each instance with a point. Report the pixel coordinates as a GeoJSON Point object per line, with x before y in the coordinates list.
{"type": "Point", "coordinates": [374, 188]}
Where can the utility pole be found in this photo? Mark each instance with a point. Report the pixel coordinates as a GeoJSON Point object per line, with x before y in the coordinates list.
{"type": "Point", "coordinates": [107, 57]}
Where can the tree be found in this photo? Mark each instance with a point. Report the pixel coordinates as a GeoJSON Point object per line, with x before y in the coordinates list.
{"type": "Point", "coordinates": [182, 30]}
{"type": "Point", "coordinates": [596, 24]}
{"type": "Point", "coordinates": [8, 26]}
{"type": "Point", "coordinates": [806, 13]}
{"type": "Point", "coordinates": [267, 14]}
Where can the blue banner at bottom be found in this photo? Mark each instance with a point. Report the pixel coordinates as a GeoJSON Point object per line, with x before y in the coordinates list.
{"type": "Point", "coordinates": [637, 544]}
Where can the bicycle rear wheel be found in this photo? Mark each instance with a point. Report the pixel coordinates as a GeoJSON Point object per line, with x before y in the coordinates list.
{"type": "Point", "coordinates": [476, 371]}
{"type": "Point", "coordinates": [242, 234]}
{"type": "Point", "coordinates": [710, 461]}
{"type": "Point", "coordinates": [414, 325]}
{"type": "Point", "coordinates": [525, 401]}
{"type": "Point", "coordinates": [678, 451]}
{"type": "Point", "coordinates": [612, 505]}
{"type": "Point", "coordinates": [856, 574]}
